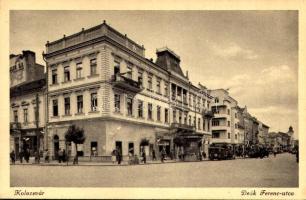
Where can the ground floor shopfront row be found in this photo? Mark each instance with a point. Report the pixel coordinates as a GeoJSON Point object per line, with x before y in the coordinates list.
{"type": "Point", "coordinates": [103, 136]}
{"type": "Point", "coordinates": [22, 140]}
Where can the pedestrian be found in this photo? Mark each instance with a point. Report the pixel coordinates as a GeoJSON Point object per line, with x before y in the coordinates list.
{"type": "Point", "coordinates": [274, 151]}
{"type": "Point", "coordinates": [114, 155]}
{"type": "Point", "coordinates": [64, 156]}
{"type": "Point", "coordinates": [21, 156]}
{"type": "Point", "coordinates": [46, 156]}
{"type": "Point", "coordinates": [144, 156]}
{"type": "Point", "coordinates": [163, 154]}
{"type": "Point", "coordinates": [119, 156]}
{"type": "Point", "coordinates": [153, 155]}
{"type": "Point", "coordinates": [12, 156]}
{"type": "Point", "coordinates": [60, 155]}
{"type": "Point", "coordinates": [204, 155]}
{"type": "Point", "coordinates": [27, 155]}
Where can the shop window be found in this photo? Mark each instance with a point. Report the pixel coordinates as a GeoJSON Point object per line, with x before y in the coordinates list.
{"type": "Point", "coordinates": [131, 148]}
{"type": "Point", "coordinates": [215, 135]}
{"type": "Point", "coordinates": [80, 150]}
{"type": "Point", "coordinates": [94, 148]}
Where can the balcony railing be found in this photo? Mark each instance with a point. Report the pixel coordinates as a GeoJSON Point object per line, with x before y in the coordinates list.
{"type": "Point", "coordinates": [125, 83]}
{"type": "Point", "coordinates": [207, 114]}
{"type": "Point", "coordinates": [15, 125]}
{"type": "Point", "coordinates": [182, 126]}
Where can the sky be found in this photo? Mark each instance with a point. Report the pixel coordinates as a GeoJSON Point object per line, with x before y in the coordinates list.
{"type": "Point", "coordinates": [253, 53]}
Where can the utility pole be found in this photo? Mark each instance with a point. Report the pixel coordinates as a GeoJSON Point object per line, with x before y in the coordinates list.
{"type": "Point", "coordinates": [37, 127]}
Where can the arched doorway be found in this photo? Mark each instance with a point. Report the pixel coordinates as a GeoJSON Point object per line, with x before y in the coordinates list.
{"type": "Point", "coordinates": [56, 146]}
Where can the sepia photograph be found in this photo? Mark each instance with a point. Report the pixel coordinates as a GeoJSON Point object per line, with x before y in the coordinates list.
{"type": "Point", "coordinates": [121, 99]}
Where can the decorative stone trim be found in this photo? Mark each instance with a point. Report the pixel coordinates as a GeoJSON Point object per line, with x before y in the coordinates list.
{"type": "Point", "coordinates": [79, 79]}
{"type": "Point", "coordinates": [93, 75]}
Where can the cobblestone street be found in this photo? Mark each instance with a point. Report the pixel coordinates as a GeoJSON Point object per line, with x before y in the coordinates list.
{"type": "Point", "coordinates": [281, 171]}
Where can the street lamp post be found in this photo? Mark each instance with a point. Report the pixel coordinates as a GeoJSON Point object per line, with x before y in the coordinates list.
{"type": "Point", "coordinates": [37, 127]}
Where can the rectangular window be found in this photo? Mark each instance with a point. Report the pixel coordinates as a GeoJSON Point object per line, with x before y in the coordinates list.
{"type": "Point", "coordinates": [173, 91]}
{"type": "Point", "coordinates": [158, 86]}
{"type": "Point", "coordinates": [79, 70]}
{"type": "Point", "coordinates": [129, 71]}
{"type": "Point", "coordinates": [215, 135]}
{"type": "Point", "coordinates": [199, 123]}
{"type": "Point", "coordinates": [189, 120]}
{"type": "Point", "coordinates": [67, 105]}
{"type": "Point", "coordinates": [228, 111]}
{"type": "Point", "coordinates": [54, 76]}
{"type": "Point", "coordinates": [229, 135]}
{"type": "Point", "coordinates": [166, 115]}
{"type": "Point", "coordinates": [174, 116]}
{"type": "Point", "coordinates": [150, 111]}
{"type": "Point", "coordinates": [55, 107]}
{"type": "Point", "coordinates": [80, 103]}
{"type": "Point", "coordinates": [140, 108]}
{"type": "Point", "coordinates": [180, 117]}
{"type": "Point", "coordinates": [131, 148]}
{"type": "Point", "coordinates": [194, 101]}
{"type": "Point", "coordinates": [158, 113]}
{"type": "Point", "coordinates": [228, 123]}
{"type": "Point", "coordinates": [94, 101]}
{"type": "Point", "coordinates": [185, 118]}
{"type": "Point", "coordinates": [116, 69]}
{"type": "Point", "coordinates": [204, 127]}
{"type": "Point", "coordinates": [25, 115]}
{"type": "Point", "coordinates": [203, 103]}
{"type": "Point", "coordinates": [117, 103]}
{"type": "Point", "coordinates": [15, 116]}
{"type": "Point", "coordinates": [189, 100]}
{"type": "Point", "coordinates": [66, 74]}
{"type": "Point", "coordinates": [215, 123]}
{"type": "Point", "coordinates": [93, 66]}
{"type": "Point", "coordinates": [166, 89]}
{"type": "Point", "coordinates": [150, 82]}
{"type": "Point", "coordinates": [129, 106]}
{"type": "Point", "coordinates": [140, 79]}
{"type": "Point", "coordinates": [235, 136]}
{"type": "Point", "coordinates": [195, 122]}
{"type": "Point", "coordinates": [208, 104]}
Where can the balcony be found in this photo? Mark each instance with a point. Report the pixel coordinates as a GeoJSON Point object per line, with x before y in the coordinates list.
{"type": "Point", "coordinates": [207, 114]}
{"type": "Point", "coordinates": [126, 84]}
{"type": "Point", "coordinates": [182, 126]}
{"type": "Point", "coordinates": [15, 125]}
{"type": "Point", "coordinates": [221, 128]}
{"type": "Point", "coordinates": [221, 140]}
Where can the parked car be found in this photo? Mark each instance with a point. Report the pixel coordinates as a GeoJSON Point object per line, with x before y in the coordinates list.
{"type": "Point", "coordinates": [221, 151]}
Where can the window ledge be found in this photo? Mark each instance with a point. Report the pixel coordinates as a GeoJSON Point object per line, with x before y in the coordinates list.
{"type": "Point", "coordinates": [140, 117]}
{"type": "Point", "coordinates": [54, 84]}
{"type": "Point", "coordinates": [55, 117]}
{"type": "Point", "coordinates": [159, 93]}
{"type": "Point", "coordinates": [67, 115]}
{"type": "Point", "coordinates": [117, 113]}
{"type": "Point", "coordinates": [93, 75]}
{"type": "Point", "coordinates": [92, 112]}
{"type": "Point", "coordinates": [150, 90]}
{"type": "Point", "coordinates": [152, 120]}
{"type": "Point", "coordinates": [79, 113]}
{"type": "Point", "coordinates": [64, 82]}
{"type": "Point", "coordinates": [78, 79]}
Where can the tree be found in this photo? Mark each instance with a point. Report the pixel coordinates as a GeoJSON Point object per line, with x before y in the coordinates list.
{"type": "Point", "coordinates": [76, 135]}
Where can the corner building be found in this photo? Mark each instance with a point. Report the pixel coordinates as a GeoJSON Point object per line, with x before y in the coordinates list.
{"type": "Point", "coordinates": [100, 80]}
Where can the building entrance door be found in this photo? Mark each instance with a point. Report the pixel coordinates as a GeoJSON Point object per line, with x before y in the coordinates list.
{"type": "Point", "coordinates": [56, 146]}
{"type": "Point", "coordinates": [119, 146]}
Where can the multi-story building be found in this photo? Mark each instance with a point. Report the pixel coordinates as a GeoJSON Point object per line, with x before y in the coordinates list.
{"type": "Point", "coordinates": [263, 131]}
{"type": "Point", "coordinates": [27, 103]}
{"type": "Point", "coordinates": [100, 80]}
{"type": "Point", "coordinates": [240, 124]}
{"type": "Point", "coordinates": [225, 121]}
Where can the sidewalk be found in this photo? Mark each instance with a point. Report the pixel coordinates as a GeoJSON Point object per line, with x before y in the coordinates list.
{"type": "Point", "coordinates": [92, 163]}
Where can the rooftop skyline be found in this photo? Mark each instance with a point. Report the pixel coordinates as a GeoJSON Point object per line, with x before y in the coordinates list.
{"type": "Point", "coordinates": [253, 53]}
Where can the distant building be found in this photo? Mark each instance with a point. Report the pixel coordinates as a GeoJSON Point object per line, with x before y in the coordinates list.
{"type": "Point", "coordinates": [27, 85]}
{"type": "Point", "coordinates": [280, 140]}
{"type": "Point", "coordinates": [263, 131]}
